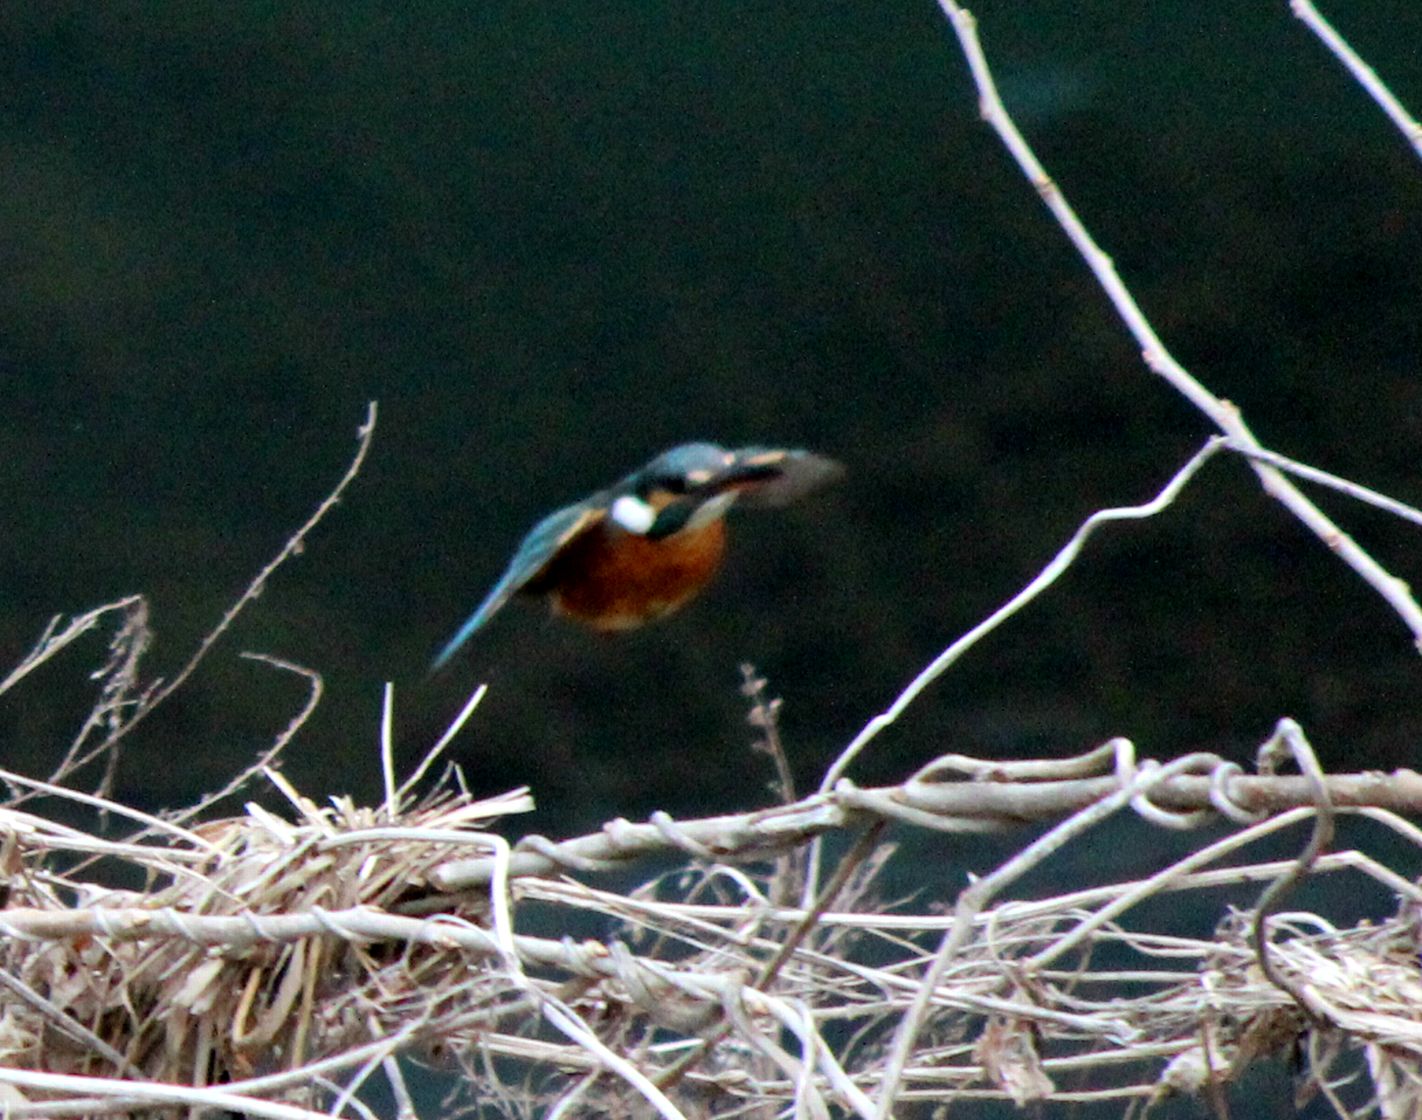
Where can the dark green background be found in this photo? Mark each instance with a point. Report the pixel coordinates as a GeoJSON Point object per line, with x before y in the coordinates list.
{"type": "Point", "coordinates": [552, 240]}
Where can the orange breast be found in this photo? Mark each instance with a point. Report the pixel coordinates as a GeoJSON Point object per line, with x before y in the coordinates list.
{"type": "Point", "coordinates": [613, 580]}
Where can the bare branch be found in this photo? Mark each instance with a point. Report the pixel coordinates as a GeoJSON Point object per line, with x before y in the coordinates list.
{"type": "Point", "coordinates": [1366, 76]}
{"type": "Point", "coordinates": [1224, 414]}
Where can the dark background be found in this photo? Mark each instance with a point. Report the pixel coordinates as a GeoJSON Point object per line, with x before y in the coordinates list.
{"type": "Point", "coordinates": [553, 241]}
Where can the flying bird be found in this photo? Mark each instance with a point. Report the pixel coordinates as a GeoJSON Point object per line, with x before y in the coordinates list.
{"type": "Point", "coordinates": [646, 546]}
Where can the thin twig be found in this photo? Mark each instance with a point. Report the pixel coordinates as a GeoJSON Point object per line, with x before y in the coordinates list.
{"type": "Point", "coordinates": [1039, 583]}
{"type": "Point", "coordinates": [1366, 76]}
{"type": "Point", "coordinates": [268, 757]}
{"type": "Point", "coordinates": [295, 544]}
{"type": "Point", "coordinates": [1346, 486]}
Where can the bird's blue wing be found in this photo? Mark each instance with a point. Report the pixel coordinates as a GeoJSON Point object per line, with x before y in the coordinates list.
{"type": "Point", "coordinates": [538, 548]}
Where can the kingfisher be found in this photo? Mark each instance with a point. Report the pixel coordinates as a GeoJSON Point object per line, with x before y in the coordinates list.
{"type": "Point", "coordinates": [646, 546]}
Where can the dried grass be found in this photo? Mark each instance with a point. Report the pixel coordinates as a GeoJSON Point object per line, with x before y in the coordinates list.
{"type": "Point", "coordinates": [272, 964]}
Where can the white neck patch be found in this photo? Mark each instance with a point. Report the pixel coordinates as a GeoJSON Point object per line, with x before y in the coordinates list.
{"type": "Point", "coordinates": [633, 514]}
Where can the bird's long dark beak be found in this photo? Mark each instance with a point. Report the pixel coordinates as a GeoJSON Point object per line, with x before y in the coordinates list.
{"type": "Point", "coordinates": [742, 474]}
{"type": "Point", "coordinates": [773, 476]}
